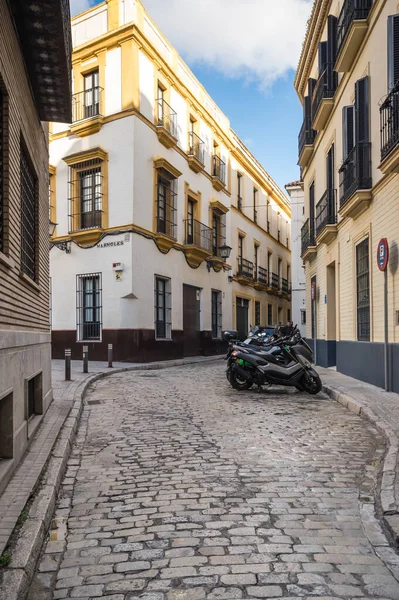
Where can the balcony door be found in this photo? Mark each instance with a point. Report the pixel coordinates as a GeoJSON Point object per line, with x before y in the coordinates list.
{"type": "Point", "coordinates": [190, 221]}
{"type": "Point", "coordinates": [91, 95]}
{"type": "Point", "coordinates": [191, 320]}
{"type": "Point", "coordinates": [90, 198]}
{"type": "Point", "coordinates": [330, 186]}
{"type": "Point", "coordinates": [242, 323]}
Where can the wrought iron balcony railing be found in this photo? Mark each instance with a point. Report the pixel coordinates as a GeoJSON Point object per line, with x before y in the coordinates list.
{"type": "Point", "coordinates": [218, 168]}
{"type": "Point", "coordinates": [306, 137]}
{"type": "Point", "coordinates": [389, 118]}
{"type": "Point", "coordinates": [166, 116]}
{"type": "Point", "coordinates": [355, 172]}
{"type": "Point", "coordinates": [166, 211]}
{"type": "Point", "coordinates": [274, 281]}
{"type": "Point", "coordinates": [352, 10]}
{"type": "Point", "coordinates": [85, 220]}
{"type": "Point", "coordinates": [87, 104]}
{"type": "Point", "coordinates": [262, 276]}
{"type": "Point", "coordinates": [198, 234]}
{"type": "Point", "coordinates": [307, 235]}
{"type": "Point", "coordinates": [326, 213]}
{"type": "Point", "coordinates": [325, 87]}
{"type": "Point", "coordinates": [195, 146]}
{"type": "Point", "coordinates": [245, 268]}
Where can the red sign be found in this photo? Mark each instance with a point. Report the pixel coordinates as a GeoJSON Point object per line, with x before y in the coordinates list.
{"type": "Point", "coordinates": [313, 290]}
{"type": "Point", "coordinates": [383, 254]}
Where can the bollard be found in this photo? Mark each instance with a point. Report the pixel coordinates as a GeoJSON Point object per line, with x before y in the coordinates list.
{"type": "Point", "coordinates": [67, 365]}
{"type": "Point", "coordinates": [85, 359]}
{"type": "Point", "coordinates": [110, 355]}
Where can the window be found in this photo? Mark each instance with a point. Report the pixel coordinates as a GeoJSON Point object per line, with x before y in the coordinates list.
{"type": "Point", "coordinates": [91, 95]}
{"type": "Point", "coordinates": [34, 396]}
{"type": "Point", "coordinates": [166, 204]}
{"type": "Point", "coordinates": [240, 248]}
{"type": "Point", "coordinates": [2, 158]}
{"type": "Point", "coordinates": [160, 103]}
{"type": "Point", "coordinates": [89, 307]}
{"type": "Point", "coordinates": [257, 312]}
{"type": "Point", "coordinates": [216, 233]}
{"type": "Point", "coordinates": [363, 290]}
{"type": "Point", "coordinates": [216, 314]}
{"type": "Point", "coordinates": [163, 308]}
{"type": "Point", "coordinates": [393, 51]}
{"type": "Point", "coordinates": [90, 185]}
{"type": "Point", "coordinates": [270, 314]}
{"type": "Point", "coordinates": [267, 215]}
{"type": "Point", "coordinates": [256, 255]}
{"type": "Point", "coordinates": [190, 221]}
{"type": "Point", "coordinates": [288, 273]}
{"type": "Point", "coordinates": [303, 317]}
{"type": "Point", "coordinates": [287, 230]}
{"type": "Point", "coordinates": [239, 197]}
{"type": "Point", "coordinates": [311, 214]}
{"type": "Point", "coordinates": [51, 194]}
{"type": "Point", "coordinates": [288, 315]}
{"type": "Point", "coordinates": [28, 184]}
{"type": "Point", "coordinates": [278, 227]}
{"type": "Point", "coordinates": [255, 205]}
{"type": "Point", "coordinates": [6, 427]}
{"type": "Point", "coordinates": [279, 269]}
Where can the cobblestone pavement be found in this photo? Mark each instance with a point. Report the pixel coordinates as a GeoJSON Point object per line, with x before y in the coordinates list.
{"type": "Point", "coordinates": [180, 488]}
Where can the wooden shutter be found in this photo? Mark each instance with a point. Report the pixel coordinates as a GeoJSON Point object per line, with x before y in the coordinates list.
{"type": "Point", "coordinates": [311, 88]}
{"type": "Point", "coordinates": [311, 207]}
{"type": "Point", "coordinates": [393, 51]}
{"type": "Point", "coordinates": [332, 76]}
{"type": "Point", "coordinates": [330, 169]}
{"type": "Point", "coordinates": [362, 110]}
{"type": "Point", "coordinates": [348, 133]}
{"type": "Point", "coordinates": [322, 57]}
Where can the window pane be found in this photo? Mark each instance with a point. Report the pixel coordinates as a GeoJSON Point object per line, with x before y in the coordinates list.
{"type": "Point", "coordinates": [28, 215]}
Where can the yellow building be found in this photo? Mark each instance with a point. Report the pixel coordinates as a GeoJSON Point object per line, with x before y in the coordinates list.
{"type": "Point", "coordinates": [347, 81]}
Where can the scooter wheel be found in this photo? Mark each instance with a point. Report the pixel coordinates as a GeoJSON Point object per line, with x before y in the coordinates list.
{"type": "Point", "coordinates": [311, 383]}
{"type": "Point", "coordinates": [299, 387]}
{"type": "Point", "coordinates": [237, 383]}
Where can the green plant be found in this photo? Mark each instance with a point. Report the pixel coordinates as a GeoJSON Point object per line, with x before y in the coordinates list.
{"type": "Point", "coordinates": [22, 517]}
{"type": "Point", "coordinates": [5, 559]}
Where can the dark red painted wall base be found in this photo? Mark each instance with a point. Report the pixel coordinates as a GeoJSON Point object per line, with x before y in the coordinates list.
{"type": "Point", "coordinates": [137, 345]}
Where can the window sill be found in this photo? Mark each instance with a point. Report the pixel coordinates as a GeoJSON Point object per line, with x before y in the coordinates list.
{"type": "Point", "coordinates": [6, 261]}
{"type": "Point", "coordinates": [89, 341]}
{"type": "Point", "coordinates": [30, 281]}
{"type": "Point", "coordinates": [163, 339]}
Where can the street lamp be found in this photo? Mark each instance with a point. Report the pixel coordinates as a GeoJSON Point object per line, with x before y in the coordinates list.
{"type": "Point", "coordinates": [64, 246]}
{"type": "Point", "coordinates": [51, 227]}
{"type": "Point", "coordinates": [224, 253]}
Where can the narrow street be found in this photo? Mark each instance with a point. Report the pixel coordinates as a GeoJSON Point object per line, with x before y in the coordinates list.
{"type": "Point", "coordinates": [179, 487]}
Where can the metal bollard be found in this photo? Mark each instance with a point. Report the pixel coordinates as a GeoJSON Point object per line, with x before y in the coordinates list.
{"type": "Point", "coordinates": [110, 348]}
{"type": "Point", "coordinates": [85, 359]}
{"type": "Point", "coordinates": [67, 365]}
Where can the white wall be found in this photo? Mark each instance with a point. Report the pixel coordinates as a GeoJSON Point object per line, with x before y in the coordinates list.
{"type": "Point", "coordinates": [89, 26]}
{"type": "Point", "coordinates": [113, 81]}
{"type": "Point", "coordinates": [298, 272]}
{"type": "Point", "coordinates": [147, 88]}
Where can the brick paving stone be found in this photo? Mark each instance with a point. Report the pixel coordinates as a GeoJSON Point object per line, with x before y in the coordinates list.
{"type": "Point", "coordinates": [184, 488]}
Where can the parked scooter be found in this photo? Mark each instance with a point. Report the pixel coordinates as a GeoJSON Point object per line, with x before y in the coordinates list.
{"type": "Point", "coordinates": [285, 361]}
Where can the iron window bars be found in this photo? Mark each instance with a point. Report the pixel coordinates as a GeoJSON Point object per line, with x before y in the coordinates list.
{"type": "Point", "coordinates": [307, 235]}
{"type": "Point", "coordinates": [325, 87]}
{"type": "Point", "coordinates": [216, 314]}
{"type": "Point", "coordinates": [28, 183]}
{"type": "Point", "coordinates": [363, 290]}
{"type": "Point", "coordinates": [163, 308]}
{"type": "Point", "coordinates": [87, 104]}
{"type": "Point", "coordinates": [89, 307]}
{"type": "Point", "coordinates": [166, 116]}
{"type": "Point", "coordinates": [355, 171]}
{"type": "Point", "coordinates": [352, 10]}
{"type": "Point", "coordinates": [2, 158]}
{"type": "Point", "coordinates": [326, 213]}
{"type": "Point", "coordinates": [218, 168]}
{"type": "Point", "coordinates": [245, 268]}
{"type": "Point", "coordinates": [196, 146]}
{"type": "Point", "coordinates": [257, 312]}
{"type": "Point", "coordinates": [85, 195]}
{"type": "Point", "coordinates": [166, 206]}
{"type": "Point", "coordinates": [218, 232]}
{"type": "Point", "coordinates": [389, 119]}
{"type": "Point", "coordinates": [262, 276]}
{"type": "Point", "coordinates": [198, 234]}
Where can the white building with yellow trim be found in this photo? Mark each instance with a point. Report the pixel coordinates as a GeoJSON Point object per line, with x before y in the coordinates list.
{"type": "Point", "coordinates": [148, 186]}
{"type": "Point", "coordinates": [347, 81]}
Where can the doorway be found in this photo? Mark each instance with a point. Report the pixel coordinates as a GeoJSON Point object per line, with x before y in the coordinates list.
{"type": "Point", "coordinates": [331, 316]}
{"type": "Point", "coordinates": [191, 320]}
{"type": "Point", "coordinates": [242, 309]}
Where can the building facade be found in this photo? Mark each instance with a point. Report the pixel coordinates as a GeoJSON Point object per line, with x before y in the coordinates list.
{"type": "Point", "coordinates": [348, 150]}
{"type": "Point", "coordinates": [34, 86]}
{"type": "Point", "coordinates": [150, 186]}
{"type": "Point", "coordinates": [298, 294]}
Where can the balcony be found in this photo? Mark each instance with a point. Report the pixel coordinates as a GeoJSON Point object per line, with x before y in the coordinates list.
{"type": "Point", "coordinates": [166, 123]}
{"type": "Point", "coordinates": [197, 241]}
{"type": "Point", "coordinates": [308, 241]}
{"type": "Point", "coordinates": [218, 173]}
{"type": "Point", "coordinates": [262, 276]}
{"type": "Point", "coordinates": [195, 152]}
{"type": "Point", "coordinates": [165, 218]}
{"type": "Point", "coordinates": [274, 282]}
{"type": "Point", "coordinates": [245, 270]}
{"type": "Point", "coordinates": [326, 218]}
{"type": "Point", "coordinates": [323, 97]}
{"type": "Point", "coordinates": [352, 28]}
{"type": "Point", "coordinates": [87, 117]}
{"type": "Point", "coordinates": [355, 181]}
{"type": "Point", "coordinates": [284, 286]}
{"type": "Point", "coordinates": [305, 144]}
{"type": "Point", "coordinates": [389, 117]}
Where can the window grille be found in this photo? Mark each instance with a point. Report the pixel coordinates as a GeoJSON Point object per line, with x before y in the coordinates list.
{"type": "Point", "coordinates": [166, 205]}
{"type": "Point", "coordinates": [363, 290]}
{"type": "Point", "coordinates": [216, 314]}
{"type": "Point", "coordinates": [86, 184]}
{"type": "Point", "coordinates": [218, 231]}
{"type": "Point", "coordinates": [89, 307]}
{"type": "Point", "coordinates": [28, 215]}
{"type": "Point", "coordinates": [163, 308]}
{"type": "Point", "coordinates": [2, 155]}
{"type": "Point", "coordinates": [257, 313]}
{"type": "Point", "coordinates": [303, 317]}
{"type": "Point", "coordinates": [270, 314]}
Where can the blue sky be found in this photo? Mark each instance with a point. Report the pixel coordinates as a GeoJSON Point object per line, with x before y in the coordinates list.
{"type": "Point", "coordinates": [247, 65]}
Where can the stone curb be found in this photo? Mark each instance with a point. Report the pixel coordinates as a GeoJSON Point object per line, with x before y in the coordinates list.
{"type": "Point", "coordinates": [18, 577]}
{"type": "Point", "coordinates": [387, 499]}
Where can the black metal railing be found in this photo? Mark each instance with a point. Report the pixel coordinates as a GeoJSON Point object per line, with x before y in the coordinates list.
{"type": "Point", "coordinates": [87, 104]}
{"type": "Point", "coordinates": [166, 116]}
{"type": "Point", "coordinates": [218, 168]}
{"type": "Point", "coordinates": [325, 87]}
{"type": "Point", "coordinates": [166, 211]}
{"type": "Point", "coordinates": [198, 234]}
{"type": "Point", "coordinates": [352, 10]}
{"type": "Point", "coordinates": [262, 276]}
{"type": "Point", "coordinates": [326, 213]}
{"type": "Point", "coordinates": [355, 172]}
{"type": "Point", "coordinates": [284, 285]}
{"type": "Point", "coordinates": [274, 281]}
{"type": "Point", "coordinates": [245, 268]}
{"type": "Point", "coordinates": [389, 118]}
{"type": "Point", "coordinates": [196, 146]}
{"type": "Point", "coordinates": [85, 220]}
{"type": "Point", "coordinates": [306, 137]}
{"type": "Point", "coordinates": [307, 235]}
{"type": "Point", "coordinates": [239, 202]}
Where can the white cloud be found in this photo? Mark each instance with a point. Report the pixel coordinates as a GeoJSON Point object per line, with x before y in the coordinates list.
{"type": "Point", "coordinates": [256, 39]}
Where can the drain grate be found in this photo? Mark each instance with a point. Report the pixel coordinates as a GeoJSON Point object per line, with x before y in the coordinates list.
{"type": "Point", "coordinates": [94, 402]}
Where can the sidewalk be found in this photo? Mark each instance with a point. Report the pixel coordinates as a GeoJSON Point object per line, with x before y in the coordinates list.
{"type": "Point", "coordinates": [27, 475]}
{"type": "Point", "coordinates": [382, 408]}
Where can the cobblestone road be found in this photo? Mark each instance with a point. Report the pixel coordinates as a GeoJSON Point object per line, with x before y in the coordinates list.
{"type": "Point", "coordinates": [180, 488]}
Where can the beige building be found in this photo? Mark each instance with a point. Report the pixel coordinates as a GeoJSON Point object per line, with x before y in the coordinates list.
{"type": "Point", "coordinates": [34, 87]}
{"type": "Point", "coordinates": [173, 229]}
{"type": "Point", "coordinates": [347, 81]}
